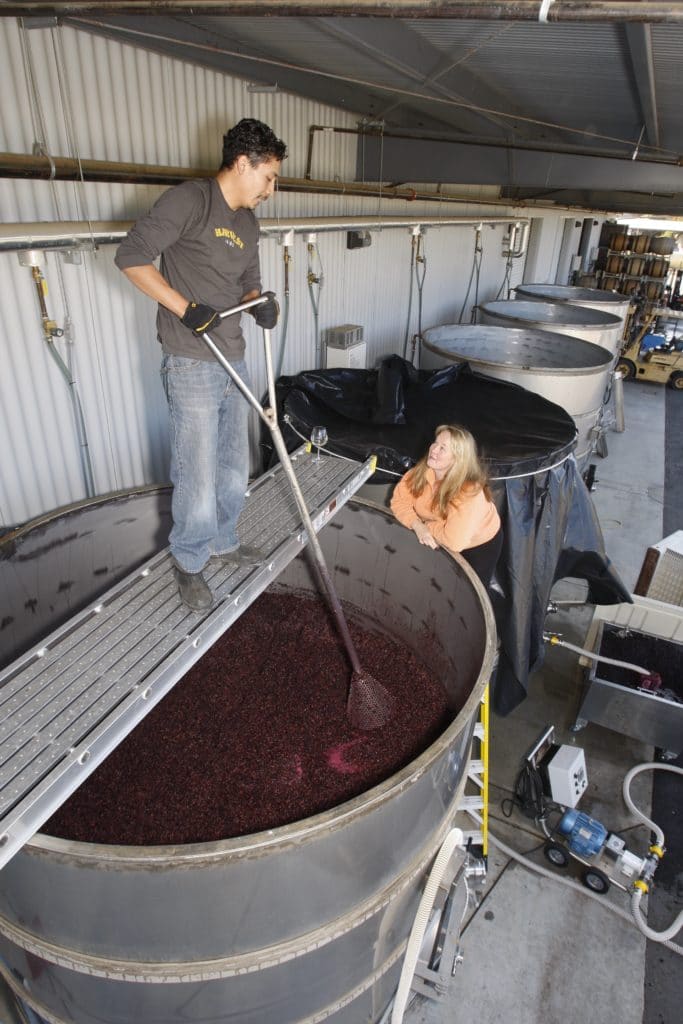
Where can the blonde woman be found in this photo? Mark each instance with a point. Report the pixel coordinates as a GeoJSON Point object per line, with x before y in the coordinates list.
{"type": "Point", "coordinates": [446, 501]}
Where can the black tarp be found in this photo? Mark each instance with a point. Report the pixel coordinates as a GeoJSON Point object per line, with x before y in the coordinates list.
{"type": "Point", "coordinates": [550, 525]}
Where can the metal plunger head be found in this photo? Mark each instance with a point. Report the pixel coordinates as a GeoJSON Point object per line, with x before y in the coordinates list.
{"type": "Point", "coordinates": [369, 704]}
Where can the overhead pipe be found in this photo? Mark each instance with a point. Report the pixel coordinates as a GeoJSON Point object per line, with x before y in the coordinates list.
{"type": "Point", "coordinates": [40, 167]}
{"type": "Point", "coordinates": [36, 166]}
{"type": "Point", "coordinates": [69, 235]}
{"type": "Point", "coordinates": [373, 131]}
{"type": "Point", "coordinates": [484, 10]}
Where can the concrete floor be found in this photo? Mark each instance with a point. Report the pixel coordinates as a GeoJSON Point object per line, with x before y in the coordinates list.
{"type": "Point", "coordinates": [536, 950]}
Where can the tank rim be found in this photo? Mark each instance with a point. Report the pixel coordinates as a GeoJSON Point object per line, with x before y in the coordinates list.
{"type": "Point", "coordinates": [609, 322]}
{"type": "Point", "coordinates": [589, 295]}
{"type": "Point", "coordinates": [259, 843]}
{"type": "Point", "coordinates": [44, 518]}
{"type": "Point", "coordinates": [599, 351]}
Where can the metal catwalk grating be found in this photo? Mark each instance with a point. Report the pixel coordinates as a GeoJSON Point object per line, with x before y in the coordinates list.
{"type": "Point", "coordinates": [69, 701]}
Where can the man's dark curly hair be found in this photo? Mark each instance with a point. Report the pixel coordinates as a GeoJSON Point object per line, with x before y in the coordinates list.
{"type": "Point", "coordinates": [253, 139]}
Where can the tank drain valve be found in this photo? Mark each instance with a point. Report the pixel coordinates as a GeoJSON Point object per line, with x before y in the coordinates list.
{"type": "Point", "coordinates": [475, 867]}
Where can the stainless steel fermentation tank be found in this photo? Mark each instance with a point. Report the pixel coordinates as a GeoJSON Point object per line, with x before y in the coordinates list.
{"type": "Point", "coordinates": [302, 923]}
{"type": "Point", "coordinates": [593, 325]}
{"type": "Point", "coordinates": [574, 374]}
{"type": "Point", "coordinates": [592, 298]}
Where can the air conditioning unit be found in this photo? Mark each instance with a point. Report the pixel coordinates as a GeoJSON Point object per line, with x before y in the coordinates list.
{"type": "Point", "coordinates": [661, 574]}
{"type": "Point", "coordinates": [344, 347]}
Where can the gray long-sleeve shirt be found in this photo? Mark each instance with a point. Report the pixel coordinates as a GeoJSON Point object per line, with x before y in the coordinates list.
{"type": "Point", "coordinates": [209, 253]}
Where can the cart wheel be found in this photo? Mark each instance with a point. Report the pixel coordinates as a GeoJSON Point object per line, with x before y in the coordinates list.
{"type": "Point", "coordinates": [626, 368]}
{"type": "Point", "coordinates": [556, 854]}
{"type": "Point", "coordinates": [595, 880]}
{"type": "Point", "coordinates": [675, 381]}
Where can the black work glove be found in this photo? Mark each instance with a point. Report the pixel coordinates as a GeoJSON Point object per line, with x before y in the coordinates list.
{"type": "Point", "coordinates": [199, 318]}
{"type": "Point", "coordinates": [266, 315]}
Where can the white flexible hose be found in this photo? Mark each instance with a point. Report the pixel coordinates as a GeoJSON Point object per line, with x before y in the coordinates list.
{"type": "Point", "coordinates": [453, 839]}
{"type": "Point", "coordinates": [649, 933]}
{"type": "Point", "coordinates": [555, 877]}
{"type": "Point", "coordinates": [598, 657]}
{"type": "Point", "coordinates": [636, 897]}
{"type": "Point", "coordinates": [626, 789]}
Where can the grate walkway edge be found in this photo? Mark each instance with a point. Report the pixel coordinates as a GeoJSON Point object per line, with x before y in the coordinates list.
{"type": "Point", "coordinates": [70, 700]}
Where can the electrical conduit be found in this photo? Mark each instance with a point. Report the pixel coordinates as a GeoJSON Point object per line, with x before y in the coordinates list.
{"type": "Point", "coordinates": [413, 242]}
{"type": "Point", "coordinates": [285, 313]}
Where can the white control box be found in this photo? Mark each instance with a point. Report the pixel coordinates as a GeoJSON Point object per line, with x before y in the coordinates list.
{"type": "Point", "coordinates": [567, 775]}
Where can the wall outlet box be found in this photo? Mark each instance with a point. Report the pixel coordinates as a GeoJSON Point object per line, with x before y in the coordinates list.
{"type": "Point", "coordinates": [357, 239]}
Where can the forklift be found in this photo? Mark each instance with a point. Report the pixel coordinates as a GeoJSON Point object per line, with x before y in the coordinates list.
{"type": "Point", "coordinates": [661, 361]}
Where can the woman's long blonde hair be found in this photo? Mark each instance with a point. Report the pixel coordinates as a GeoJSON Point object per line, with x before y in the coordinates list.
{"type": "Point", "coordinates": [467, 470]}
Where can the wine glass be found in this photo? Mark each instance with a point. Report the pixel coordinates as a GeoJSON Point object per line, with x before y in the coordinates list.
{"type": "Point", "coordinates": [318, 438]}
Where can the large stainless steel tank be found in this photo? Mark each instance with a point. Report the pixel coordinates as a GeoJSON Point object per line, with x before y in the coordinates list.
{"type": "Point", "coordinates": [593, 298]}
{"type": "Point", "coordinates": [307, 922]}
{"type": "Point", "coordinates": [573, 373]}
{"type": "Point", "coordinates": [592, 325]}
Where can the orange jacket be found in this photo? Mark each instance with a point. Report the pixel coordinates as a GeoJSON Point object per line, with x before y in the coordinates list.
{"type": "Point", "coordinates": [472, 519]}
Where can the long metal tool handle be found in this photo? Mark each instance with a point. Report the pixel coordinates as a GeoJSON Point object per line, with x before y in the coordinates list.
{"type": "Point", "coordinates": [269, 416]}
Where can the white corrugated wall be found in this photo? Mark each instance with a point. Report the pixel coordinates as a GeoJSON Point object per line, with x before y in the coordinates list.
{"type": "Point", "coordinates": [81, 96]}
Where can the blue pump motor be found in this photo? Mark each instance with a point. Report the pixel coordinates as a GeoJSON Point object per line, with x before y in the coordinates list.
{"type": "Point", "coordinates": [586, 836]}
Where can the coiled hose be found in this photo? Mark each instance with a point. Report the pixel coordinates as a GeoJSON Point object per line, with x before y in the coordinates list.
{"type": "Point", "coordinates": [453, 839]}
{"type": "Point", "coordinates": [547, 873]}
{"type": "Point", "coordinates": [637, 895]}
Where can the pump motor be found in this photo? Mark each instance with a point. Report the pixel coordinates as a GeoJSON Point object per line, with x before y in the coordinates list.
{"type": "Point", "coordinates": [590, 842]}
{"type": "Point", "coordinates": [585, 836]}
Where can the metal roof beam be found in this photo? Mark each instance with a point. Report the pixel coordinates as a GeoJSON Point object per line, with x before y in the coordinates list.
{"type": "Point", "coordinates": [473, 10]}
{"type": "Point", "coordinates": [639, 42]}
{"type": "Point", "coordinates": [394, 45]}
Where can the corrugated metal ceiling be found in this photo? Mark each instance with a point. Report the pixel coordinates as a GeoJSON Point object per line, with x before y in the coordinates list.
{"type": "Point", "coordinates": [571, 87]}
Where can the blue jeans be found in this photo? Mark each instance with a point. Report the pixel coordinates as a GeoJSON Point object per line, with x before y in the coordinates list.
{"type": "Point", "coordinates": [209, 457]}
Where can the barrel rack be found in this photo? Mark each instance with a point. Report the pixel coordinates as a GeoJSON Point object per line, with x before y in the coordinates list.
{"type": "Point", "coordinates": [70, 700]}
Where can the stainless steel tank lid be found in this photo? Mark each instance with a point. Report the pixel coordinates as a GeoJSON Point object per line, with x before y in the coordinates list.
{"type": "Point", "coordinates": [563, 314]}
{"type": "Point", "coordinates": [571, 293]}
{"type": "Point", "coordinates": [489, 345]}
